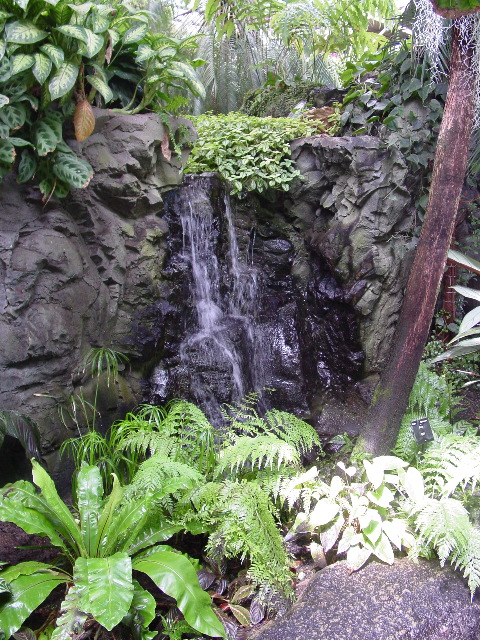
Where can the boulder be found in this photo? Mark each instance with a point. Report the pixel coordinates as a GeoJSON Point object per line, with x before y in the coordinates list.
{"type": "Point", "coordinates": [406, 601]}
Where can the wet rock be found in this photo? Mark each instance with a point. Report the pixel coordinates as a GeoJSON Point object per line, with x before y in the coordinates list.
{"type": "Point", "coordinates": [407, 601]}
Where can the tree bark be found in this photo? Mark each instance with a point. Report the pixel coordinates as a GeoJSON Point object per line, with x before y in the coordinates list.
{"type": "Point", "coordinates": [391, 395]}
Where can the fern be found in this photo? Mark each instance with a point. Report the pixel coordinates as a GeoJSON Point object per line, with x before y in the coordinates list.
{"type": "Point", "coordinates": [296, 432]}
{"type": "Point", "coordinates": [259, 452]}
{"type": "Point", "coordinates": [444, 525]}
{"type": "Point", "coordinates": [431, 398]}
{"type": "Point", "coordinates": [467, 558]}
{"type": "Point", "coordinates": [246, 528]}
{"type": "Point", "coordinates": [451, 462]}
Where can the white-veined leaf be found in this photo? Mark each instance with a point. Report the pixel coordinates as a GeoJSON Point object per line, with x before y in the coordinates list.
{"type": "Point", "coordinates": [99, 23]}
{"type": "Point", "coordinates": [187, 72]}
{"type": "Point", "coordinates": [357, 556]}
{"type": "Point", "coordinates": [382, 496]}
{"type": "Point", "coordinates": [81, 9]}
{"type": "Point", "coordinates": [21, 62]}
{"type": "Point", "coordinates": [374, 473]}
{"type": "Point", "coordinates": [144, 52]}
{"type": "Point", "coordinates": [395, 530]}
{"type": "Point", "coordinates": [3, 47]}
{"type": "Point", "coordinates": [63, 80]}
{"type": "Point", "coordinates": [42, 67]}
{"type": "Point", "coordinates": [390, 463]}
{"type": "Point", "coordinates": [101, 86]}
{"type": "Point", "coordinates": [323, 513]}
{"type": "Point", "coordinates": [73, 31]}
{"type": "Point", "coordinates": [24, 32]}
{"type": "Point", "coordinates": [470, 319]}
{"type": "Point", "coordinates": [382, 548]}
{"type": "Point", "coordinates": [414, 485]}
{"type": "Point", "coordinates": [44, 137]}
{"type": "Point", "coordinates": [3, 100]}
{"type": "Point", "coordinates": [474, 294]}
{"type": "Point", "coordinates": [7, 152]}
{"type": "Point", "coordinates": [72, 170]}
{"type": "Point", "coordinates": [55, 53]}
{"type": "Point", "coordinates": [135, 33]}
{"type": "Point", "coordinates": [27, 166]}
{"type": "Point", "coordinates": [371, 525]}
{"type": "Point", "coordinates": [93, 43]}
{"type": "Point", "coordinates": [464, 261]}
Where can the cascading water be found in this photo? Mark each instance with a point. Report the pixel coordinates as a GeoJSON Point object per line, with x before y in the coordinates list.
{"type": "Point", "coordinates": [220, 335]}
{"type": "Point", "coordinates": [245, 305]}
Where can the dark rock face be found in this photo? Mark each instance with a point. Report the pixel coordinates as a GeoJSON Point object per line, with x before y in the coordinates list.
{"type": "Point", "coordinates": [407, 601]}
{"type": "Point", "coordinates": [300, 285]}
{"type": "Point", "coordinates": [240, 317]}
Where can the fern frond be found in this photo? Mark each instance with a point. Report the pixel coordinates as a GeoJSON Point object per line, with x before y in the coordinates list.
{"type": "Point", "coordinates": [443, 524]}
{"type": "Point", "coordinates": [292, 430]}
{"type": "Point", "coordinates": [451, 462]}
{"type": "Point", "coordinates": [467, 558]}
{"type": "Point", "coordinates": [246, 529]}
{"type": "Point", "coordinates": [260, 452]}
{"type": "Point", "coordinates": [154, 475]}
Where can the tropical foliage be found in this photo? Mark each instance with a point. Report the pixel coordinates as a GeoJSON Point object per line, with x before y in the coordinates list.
{"type": "Point", "coordinates": [104, 540]}
{"type": "Point", "coordinates": [252, 154]}
{"type": "Point", "coordinates": [58, 57]}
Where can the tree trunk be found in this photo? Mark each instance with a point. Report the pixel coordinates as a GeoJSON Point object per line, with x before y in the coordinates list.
{"type": "Point", "coordinates": [391, 395]}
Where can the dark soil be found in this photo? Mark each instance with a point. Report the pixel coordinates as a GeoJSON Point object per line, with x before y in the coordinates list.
{"type": "Point", "coordinates": [12, 539]}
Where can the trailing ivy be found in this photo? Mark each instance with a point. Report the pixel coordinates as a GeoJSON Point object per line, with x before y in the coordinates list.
{"type": "Point", "coordinates": [253, 154]}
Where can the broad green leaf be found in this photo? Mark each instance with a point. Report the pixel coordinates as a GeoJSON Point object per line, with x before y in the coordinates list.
{"type": "Point", "coordinates": [27, 166]}
{"type": "Point", "coordinates": [464, 261]}
{"type": "Point", "coordinates": [395, 530]}
{"type": "Point", "coordinates": [357, 556]}
{"type": "Point", "coordinates": [22, 3]}
{"type": "Point", "coordinates": [371, 525]}
{"type": "Point", "coordinates": [71, 619]}
{"type": "Point", "coordinates": [104, 587]}
{"type": "Point", "coordinates": [5, 69]}
{"type": "Point", "coordinates": [73, 31]}
{"type": "Point", "coordinates": [390, 463]}
{"type": "Point", "coordinates": [89, 500]}
{"type": "Point", "coordinates": [329, 536]}
{"type": "Point", "coordinates": [101, 86]}
{"type": "Point", "coordinates": [152, 535]}
{"type": "Point", "coordinates": [127, 524]}
{"type": "Point", "coordinates": [382, 496]}
{"type": "Point", "coordinates": [135, 33]}
{"type": "Point", "coordinates": [72, 170]}
{"type": "Point", "coordinates": [30, 520]}
{"type": "Point", "coordinates": [24, 569]}
{"type": "Point", "coordinates": [93, 43]}
{"type": "Point", "coordinates": [55, 53]}
{"type": "Point", "coordinates": [63, 80]}
{"type": "Point", "coordinates": [28, 592]}
{"type": "Point", "coordinates": [471, 319]}
{"type": "Point", "coordinates": [44, 137]}
{"type": "Point", "coordinates": [24, 32]}
{"type": "Point", "coordinates": [7, 151]}
{"type": "Point", "coordinates": [187, 72]}
{"type": "Point", "coordinates": [21, 62]}
{"type": "Point", "coordinates": [374, 473]}
{"type": "Point", "coordinates": [55, 124]}
{"type": "Point", "coordinates": [14, 115]}
{"type": "Point", "coordinates": [108, 513]}
{"type": "Point", "coordinates": [474, 294]}
{"type": "Point", "coordinates": [414, 485]}
{"type": "Point", "coordinates": [382, 548]}
{"type": "Point", "coordinates": [324, 512]}
{"type": "Point", "coordinates": [19, 142]}
{"type": "Point", "coordinates": [49, 493]}
{"type": "Point", "coordinates": [142, 609]}
{"type": "Point", "coordinates": [42, 67]}
{"type": "Point", "coordinates": [175, 575]}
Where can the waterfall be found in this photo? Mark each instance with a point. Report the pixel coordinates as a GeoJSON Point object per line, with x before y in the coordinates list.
{"type": "Point", "coordinates": [220, 335]}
